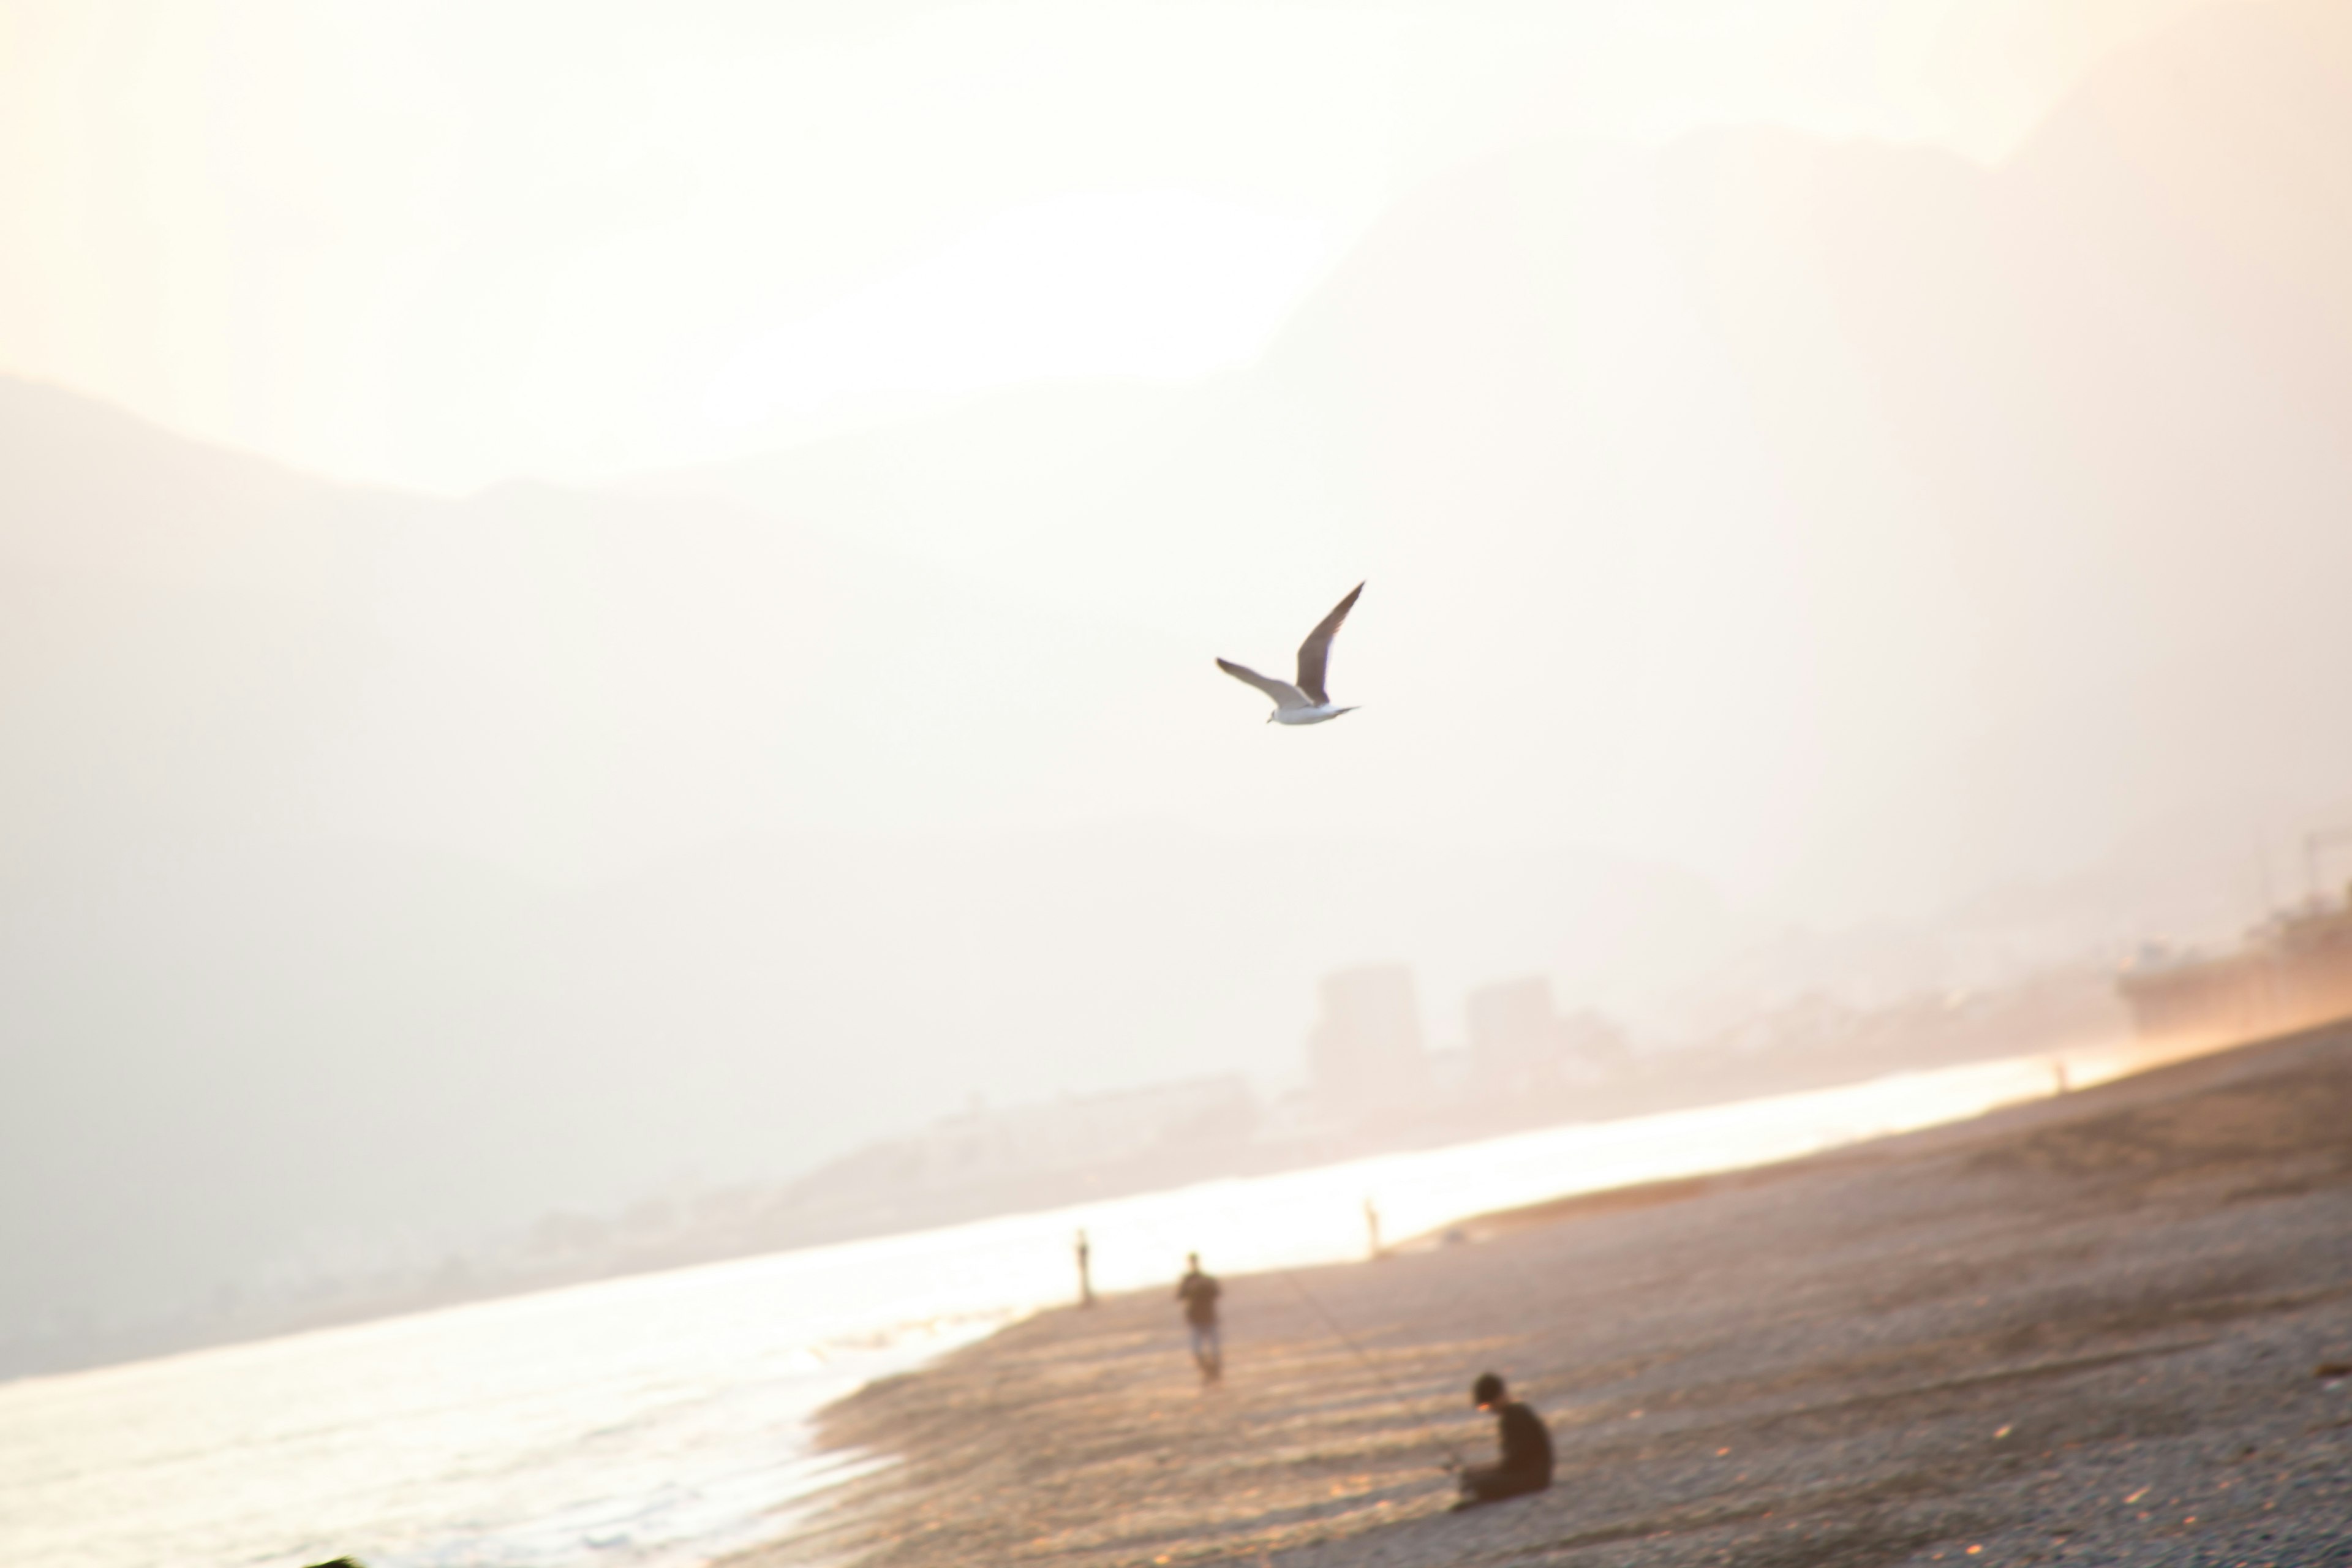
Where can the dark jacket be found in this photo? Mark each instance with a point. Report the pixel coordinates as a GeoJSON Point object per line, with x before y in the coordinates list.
{"type": "Point", "coordinates": [1526, 1447]}
{"type": "Point", "coordinates": [1198, 1292]}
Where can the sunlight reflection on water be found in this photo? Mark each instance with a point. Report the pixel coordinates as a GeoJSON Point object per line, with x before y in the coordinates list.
{"type": "Point", "coordinates": [660, 1420]}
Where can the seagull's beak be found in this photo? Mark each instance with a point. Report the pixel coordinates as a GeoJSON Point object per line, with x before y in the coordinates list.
{"type": "Point", "coordinates": [1269, 718]}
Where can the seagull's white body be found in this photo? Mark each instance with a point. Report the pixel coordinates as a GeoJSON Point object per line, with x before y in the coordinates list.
{"type": "Point", "coordinates": [1303, 701]}
{"type": "Point", "coordinates": [1315, 715]}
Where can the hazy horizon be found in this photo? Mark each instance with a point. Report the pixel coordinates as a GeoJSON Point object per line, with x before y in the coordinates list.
{"type": "Point", "coordinates": [588, 598]}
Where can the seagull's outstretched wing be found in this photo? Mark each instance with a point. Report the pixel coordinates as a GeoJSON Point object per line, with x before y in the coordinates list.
{"type": "Point", "coordinates": [1284, 695]}
{"type": "Point", "coordinates": [1315, 653]}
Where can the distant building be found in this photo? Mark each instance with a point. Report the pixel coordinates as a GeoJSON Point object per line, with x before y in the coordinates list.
{"type": "Point", "coordinates": [1518, 1042]}
{"type": "Point", "coordinates": [1513, 1033]}
{"type": "Point", "coordinates": [1365, 1052]}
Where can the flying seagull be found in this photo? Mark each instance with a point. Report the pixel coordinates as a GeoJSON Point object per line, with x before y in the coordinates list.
{"type": "Point", "coordinates": [1307, 702]}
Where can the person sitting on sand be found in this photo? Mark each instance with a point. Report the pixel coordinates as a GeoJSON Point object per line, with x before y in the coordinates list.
{"type": "Point", "coordinates": [1526, 1464]}
{"type": "Point", "coordinates": [1198, 1292]}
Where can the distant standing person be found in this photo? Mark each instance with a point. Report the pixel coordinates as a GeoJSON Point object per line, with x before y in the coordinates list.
{"type": "Point", "coordinates": [1526, 1463]}
{"type": "Point", "coordinates": [1199, 1290]}
{"type": "Point", "coordinates": [1086, 1273]}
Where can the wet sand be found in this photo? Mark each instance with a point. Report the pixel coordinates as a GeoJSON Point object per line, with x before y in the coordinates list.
{"type": "Point", "coordinates": [2098, 1329]}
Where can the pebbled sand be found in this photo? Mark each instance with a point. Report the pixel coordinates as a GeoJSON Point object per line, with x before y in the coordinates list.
{"type": "Point", "coordinates": [2086, 1331]}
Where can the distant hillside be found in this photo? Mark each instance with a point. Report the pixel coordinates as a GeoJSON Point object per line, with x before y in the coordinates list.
{"type": "Point", "coordinates": [2107, 387]}
{"type": "Point", "coordinates": [1869, 534]}
{"type": "Point", "coordinates": [1868, 528]}
{"type": "Point", "coordinates": [380, 873]}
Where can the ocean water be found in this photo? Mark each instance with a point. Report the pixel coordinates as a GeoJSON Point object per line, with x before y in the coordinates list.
{"type": "Point", "coordinates": [662, 1420]}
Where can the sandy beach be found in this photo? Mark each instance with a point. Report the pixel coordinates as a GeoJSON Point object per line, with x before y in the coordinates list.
{"type": "Point", "coordinates": [2112, 1327]}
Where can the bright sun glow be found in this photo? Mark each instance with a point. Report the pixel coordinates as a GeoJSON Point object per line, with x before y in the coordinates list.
{"type": "Point", "coordinates": [442, 245]}
{"type": "Point", "coordinates": [1157, 285]}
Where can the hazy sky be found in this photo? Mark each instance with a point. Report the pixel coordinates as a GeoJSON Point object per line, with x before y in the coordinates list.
{"type": "Point", "coordinates": [1853, 494]}
{"type": "Point", "coordinates": [441, 244]}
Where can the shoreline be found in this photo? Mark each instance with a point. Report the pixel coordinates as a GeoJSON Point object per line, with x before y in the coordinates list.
{"type": "Point", "coordinates": [1971, 1335]}
{"type": "Point", "coordinates": [2091, 1061]}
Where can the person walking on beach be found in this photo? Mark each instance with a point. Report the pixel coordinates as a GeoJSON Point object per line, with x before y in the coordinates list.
{"type": "Point", "coordinates": [1197, 1291]}
{"type": "Point", "coordinates": [1526, 1463]}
